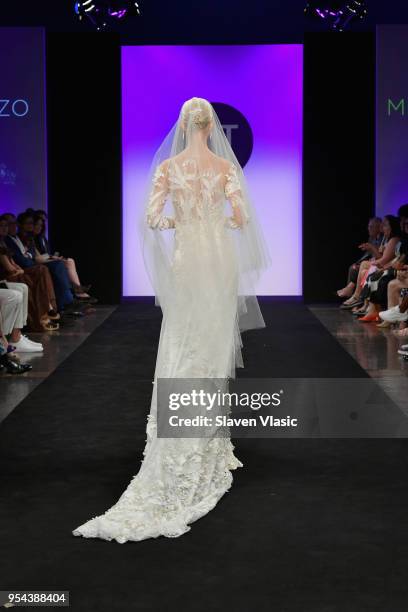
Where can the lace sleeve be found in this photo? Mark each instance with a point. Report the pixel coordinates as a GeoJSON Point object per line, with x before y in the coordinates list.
{"type": "Point", "coordinates": [233, 193]}
{"type": "Point", "coordinates": [157, 199]}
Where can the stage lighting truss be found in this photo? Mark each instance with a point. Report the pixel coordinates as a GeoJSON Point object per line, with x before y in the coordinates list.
{"type": "Point", "coordinates": [338, 15]}
{"type": "Point", "coordinates": [105, 13]}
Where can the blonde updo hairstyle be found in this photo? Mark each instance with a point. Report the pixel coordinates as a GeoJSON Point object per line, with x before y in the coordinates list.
{"type": "Point", "coordinates": [198, 113]}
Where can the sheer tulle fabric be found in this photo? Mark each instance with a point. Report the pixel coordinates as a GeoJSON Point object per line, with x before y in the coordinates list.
{"type": "Point", "coordinates": [219, 179]}
{"type": "Point", "coordinates": [203, 263]}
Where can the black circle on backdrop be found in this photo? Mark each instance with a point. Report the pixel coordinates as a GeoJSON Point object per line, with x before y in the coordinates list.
{"type": "Point", "coordinates": [237, 130]}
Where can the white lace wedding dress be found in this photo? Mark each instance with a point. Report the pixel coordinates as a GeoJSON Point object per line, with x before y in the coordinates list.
{"type": "Point", "coordinates": [181, 480]}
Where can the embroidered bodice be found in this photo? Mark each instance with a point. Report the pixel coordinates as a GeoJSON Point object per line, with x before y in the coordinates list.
{"type": "Point", "coordinates": [197, 193]}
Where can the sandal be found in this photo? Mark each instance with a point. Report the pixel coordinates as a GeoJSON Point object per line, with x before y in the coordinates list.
{"type": "Point", "coordinates": [359, 309]}
{"type": "Point", "coordinates": [50, 326]}
{"type": "Point", "coordinates": [359, 315]}
{"type": "Point", "coordinates": [350, 300]}
{"type": "Point", "coordinates": [347, 305]}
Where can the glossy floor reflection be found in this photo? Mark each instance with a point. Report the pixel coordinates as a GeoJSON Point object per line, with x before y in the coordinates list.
{"type": "Point", "coordinates": [57, 347]}
{"type": "Point", "coordinates": [374, 349]}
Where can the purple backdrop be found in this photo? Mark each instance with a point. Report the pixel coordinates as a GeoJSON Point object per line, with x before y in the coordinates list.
{"type": "Point", "coordinates": [264, 83]}
{"type": "Point", "coordinates": [392, 118]}
{"type": "Point", "coordinates": [22, 120]}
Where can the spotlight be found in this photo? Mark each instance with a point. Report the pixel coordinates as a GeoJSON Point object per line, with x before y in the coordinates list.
{"type": "Point", "coordinates": [105, 13]}
{"type": "Point", "coordinates": [338, 15]}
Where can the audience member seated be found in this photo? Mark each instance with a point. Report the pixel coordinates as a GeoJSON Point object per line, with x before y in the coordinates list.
{"type": "Point", "coordinates": [396, 308]}
{"type": "Point", "coordinates": [41, 297]}
{"type": "Point", "coordinates": [34, 286]}
{"type": "Point", "coordinates": [388, 298]}
{"type": "Point", "coordinates": [375, 292]}
{"type": "Point", "coordinates": [22, 245]}
{"type": "Point", "coordinates": [371, 270]}
{"type": "Point", "coordinates": [370, 248]}
{"type": "Point", "coordinates": [380, 293]}
{"type": "Point", "coordinates": [43, 248]}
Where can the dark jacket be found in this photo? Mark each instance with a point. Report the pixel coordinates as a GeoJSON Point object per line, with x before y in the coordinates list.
{"type": "Point", "coordinates": [26, 260]}
{"type": "Point", "coordinates": [42, 244]}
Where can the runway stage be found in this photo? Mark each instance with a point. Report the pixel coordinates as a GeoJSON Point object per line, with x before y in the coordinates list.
{"type": "Point", "coordinates": [309, 525]}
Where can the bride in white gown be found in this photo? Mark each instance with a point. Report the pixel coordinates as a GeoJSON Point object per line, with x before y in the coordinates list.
{"type": "Point", "coordinates": [203, 271]}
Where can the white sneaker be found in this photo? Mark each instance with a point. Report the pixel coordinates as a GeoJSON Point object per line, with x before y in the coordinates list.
{"type": "Point", "coordinates": [24, 345]}
{"type": "Point", "coordinates": [401, 350]}
{"type": "Point", "coordinates": [37, 344]}
{"type": "Point", "coordinates": [393, 315]}
{"type": "Point", "coordinates": [404, 347]}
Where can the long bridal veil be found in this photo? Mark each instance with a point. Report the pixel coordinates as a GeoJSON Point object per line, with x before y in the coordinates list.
{"type": "Point", "coordinates": [250, 249]}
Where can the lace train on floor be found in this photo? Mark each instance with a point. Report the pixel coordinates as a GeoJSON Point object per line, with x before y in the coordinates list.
{"type": "Point", "coordinates": [184, 482]}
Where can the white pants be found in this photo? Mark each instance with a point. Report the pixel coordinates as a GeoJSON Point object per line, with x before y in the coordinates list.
{"type": "Point", "coordinates": [13, 307]}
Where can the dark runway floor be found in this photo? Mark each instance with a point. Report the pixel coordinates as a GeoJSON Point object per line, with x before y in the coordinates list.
{"type": "Point", "coordinates": [309, 525]}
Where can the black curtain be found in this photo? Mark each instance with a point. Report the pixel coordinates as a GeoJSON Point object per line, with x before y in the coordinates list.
{"type": "Point", "coordinates": [84, 156]}
{"type": "Point", "coordinates": [338, 156]}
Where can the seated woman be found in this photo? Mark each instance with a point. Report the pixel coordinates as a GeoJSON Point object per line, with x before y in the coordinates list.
{"type": "Point", "coordinates": [41, 297]}
{"type": "Point", "coordinates": [43, 249]}
{"type": "Point", "coordinates": [379, 263]}
{"type": "Point", "coordinates": [370, 249]}
{"type": "Point", "coordinates": [393, 305]}
{"type": "Point", "coordinates": [22, 246]}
